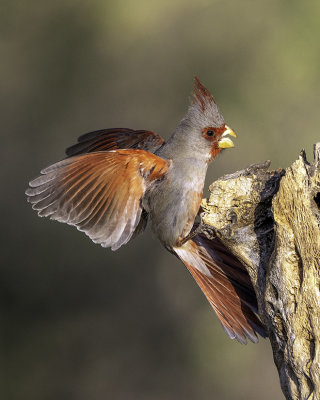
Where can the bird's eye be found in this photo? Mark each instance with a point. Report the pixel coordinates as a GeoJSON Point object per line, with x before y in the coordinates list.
{"type": "Point", "coordinates": [210, 133]}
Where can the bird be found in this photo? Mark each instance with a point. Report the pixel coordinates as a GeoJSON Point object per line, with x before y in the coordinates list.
{"type": "Point", "coordinates": [113, 181]}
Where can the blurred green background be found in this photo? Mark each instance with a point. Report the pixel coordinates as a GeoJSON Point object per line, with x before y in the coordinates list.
{"type": "Point", "coordinates": [81, 322]}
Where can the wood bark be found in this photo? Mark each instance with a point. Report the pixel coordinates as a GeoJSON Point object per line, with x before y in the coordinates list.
{"type": "Point", "coordinates": [270, 220]}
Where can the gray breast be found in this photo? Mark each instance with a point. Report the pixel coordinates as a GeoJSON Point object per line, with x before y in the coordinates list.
{"type": "Point", "coordinates": [170, 202]}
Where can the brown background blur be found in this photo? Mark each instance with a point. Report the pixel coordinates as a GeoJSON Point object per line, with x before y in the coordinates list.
{"type": "Point", "coordinates": [81, 322]}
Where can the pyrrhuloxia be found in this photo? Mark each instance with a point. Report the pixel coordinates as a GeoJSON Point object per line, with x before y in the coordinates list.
{"type": "Point", "coordinates": [113, 180]}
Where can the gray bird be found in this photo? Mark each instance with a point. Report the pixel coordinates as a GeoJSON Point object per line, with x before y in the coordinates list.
{"type": "Point", "coordinates": [114, 180]}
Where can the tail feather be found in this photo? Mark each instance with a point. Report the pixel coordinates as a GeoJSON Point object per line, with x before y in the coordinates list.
{"type": "Point", "coordinates": [226, 284]}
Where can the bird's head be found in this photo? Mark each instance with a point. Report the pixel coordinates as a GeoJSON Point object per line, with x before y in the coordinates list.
{"type": "Point", "coordinates": [204, 125]}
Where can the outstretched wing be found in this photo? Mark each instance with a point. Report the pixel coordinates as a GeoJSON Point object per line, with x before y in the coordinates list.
{"type": "Point", "coordinates": [99, 193]}
{"type": "Point", "coordinates": [226, 284]}
{"type": "Point", "coordinates": [116, 138]}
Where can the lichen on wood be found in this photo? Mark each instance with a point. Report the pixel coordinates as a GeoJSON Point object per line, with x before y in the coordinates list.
{"type": "Point", "coordinates": [270, 220]}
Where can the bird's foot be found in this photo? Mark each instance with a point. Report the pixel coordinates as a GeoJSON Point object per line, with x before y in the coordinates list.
{"type": "Point", "coordinates": [199, 229]}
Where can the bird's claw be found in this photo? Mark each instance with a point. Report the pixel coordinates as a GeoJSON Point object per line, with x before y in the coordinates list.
{"type": "Point", "coordinates": [201, 228]}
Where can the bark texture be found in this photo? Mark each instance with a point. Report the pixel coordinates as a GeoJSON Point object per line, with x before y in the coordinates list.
{"type": "Point", "coordinates": [270, 220]}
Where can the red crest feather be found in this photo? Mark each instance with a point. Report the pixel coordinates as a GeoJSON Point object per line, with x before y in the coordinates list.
{"type": "Point", "coordinates": [202, 94]}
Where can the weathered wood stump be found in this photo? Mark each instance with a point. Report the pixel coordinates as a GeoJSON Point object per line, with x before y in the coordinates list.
{"type": "Point", "coordinates": [271, 221]}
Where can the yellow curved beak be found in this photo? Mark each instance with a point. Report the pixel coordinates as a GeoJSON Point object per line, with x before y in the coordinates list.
{"type": "Point", "coordinates": [225, 142]}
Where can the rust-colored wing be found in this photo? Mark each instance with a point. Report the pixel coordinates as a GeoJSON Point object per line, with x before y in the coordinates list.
{"type": "Point", "coordinates": [99, 193]}
{"type": "Point", "coordinates": [226, 284]}
{"type": "Point", "coordinates": [116, 138]}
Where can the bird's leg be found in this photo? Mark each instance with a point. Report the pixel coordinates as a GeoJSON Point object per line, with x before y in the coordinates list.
{"type": "Point", "coordinates": [192, 234]}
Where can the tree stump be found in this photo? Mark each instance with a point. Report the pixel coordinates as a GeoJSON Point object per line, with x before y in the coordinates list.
{"type": "Point", "coordinates": [270, 220]}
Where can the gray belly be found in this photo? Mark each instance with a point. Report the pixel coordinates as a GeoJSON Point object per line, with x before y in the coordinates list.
{"type": "Point", "coordinates": [168, 214]}
{"type": "Point", "coordinates": [173, 205]}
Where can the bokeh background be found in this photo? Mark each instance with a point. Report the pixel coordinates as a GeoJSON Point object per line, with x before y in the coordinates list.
{"type": "Point", "coordinates": [81, 322]}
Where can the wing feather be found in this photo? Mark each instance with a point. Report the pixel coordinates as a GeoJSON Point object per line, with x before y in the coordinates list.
{"type": "Point", "coordinates": [99, 193]}
{"type": "Point", "coordinates": [116, 138]}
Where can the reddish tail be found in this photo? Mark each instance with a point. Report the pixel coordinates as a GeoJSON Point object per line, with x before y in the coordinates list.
{"type": "Point", "coordinates": [226, 284]}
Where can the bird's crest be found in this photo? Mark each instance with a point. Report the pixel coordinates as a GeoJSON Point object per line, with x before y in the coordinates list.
{"type": "Point", "coordinates": [203, 110]}
{"type": "Point", "coordinates": [202, 96]}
